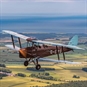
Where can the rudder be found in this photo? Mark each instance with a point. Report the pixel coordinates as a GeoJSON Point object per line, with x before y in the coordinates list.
{"type": "Point", "coordinates": [73, 41]}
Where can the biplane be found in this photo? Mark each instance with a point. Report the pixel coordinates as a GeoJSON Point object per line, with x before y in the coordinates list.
{"type": "Point", "coordinates": [38, 49]}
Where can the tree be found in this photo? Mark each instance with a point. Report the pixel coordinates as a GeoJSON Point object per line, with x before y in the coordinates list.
{"type": "Point", "coordinates": [21, 74]}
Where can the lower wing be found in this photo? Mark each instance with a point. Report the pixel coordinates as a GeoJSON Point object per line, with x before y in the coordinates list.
{"type": "Point", "coordinates": [58, 61]}
{"type": "Point", "coordinates": [12, 48]}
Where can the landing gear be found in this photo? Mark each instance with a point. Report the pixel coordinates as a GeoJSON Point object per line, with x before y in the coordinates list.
{"type": "Point", "coordinates": [26, 63]}
{"type": "Point", "coordinates": [35, 61]}
{"type": "Point", "coordinates": [38, 66]}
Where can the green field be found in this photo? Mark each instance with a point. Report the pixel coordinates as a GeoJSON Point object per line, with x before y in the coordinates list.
{"type": "Point", "coordinates": [62, 72]}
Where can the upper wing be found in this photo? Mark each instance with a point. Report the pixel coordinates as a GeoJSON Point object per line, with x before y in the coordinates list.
{"type": "Point", "coordinates": [57, 44]}
{"type": "Point", "coordinates": [16, 34]}
{"type": "Point", "coordinates": [40, 41]}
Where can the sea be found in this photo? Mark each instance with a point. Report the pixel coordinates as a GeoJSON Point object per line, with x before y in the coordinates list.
{"type": "Point", "coordinates": [44, 24]}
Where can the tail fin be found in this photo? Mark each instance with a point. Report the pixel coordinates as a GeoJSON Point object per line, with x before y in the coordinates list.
{"type": "Point", "coordinates": [73, 41]}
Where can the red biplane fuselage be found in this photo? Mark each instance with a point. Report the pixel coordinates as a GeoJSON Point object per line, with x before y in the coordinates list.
{"type": "Point", "coordinates": [42, 51]}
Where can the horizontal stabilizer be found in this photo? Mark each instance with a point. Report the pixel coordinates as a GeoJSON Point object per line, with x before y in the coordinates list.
{"type": "Point", "coordinates": [12, 48]}
{"type": "Point", "coordinates": [58, 61]}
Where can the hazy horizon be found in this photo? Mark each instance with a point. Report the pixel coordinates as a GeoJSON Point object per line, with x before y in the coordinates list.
{"type": "Point", "coordinates": [45, 24]}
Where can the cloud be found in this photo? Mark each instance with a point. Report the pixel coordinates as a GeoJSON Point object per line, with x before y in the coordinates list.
{"type": "Point", "coordinates": [43, 0]}
{"type": "Point", "coordinates": [53, 0]}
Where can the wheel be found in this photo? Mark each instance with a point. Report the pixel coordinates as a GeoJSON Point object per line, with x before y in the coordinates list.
{"type": "Point", "coordinates": [38, 66]}
{"type": "Point", "coordinates": [26, 63]}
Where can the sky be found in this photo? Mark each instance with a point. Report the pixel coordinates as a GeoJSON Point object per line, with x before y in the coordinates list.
{"type": "Point", "coordinates": [43, 7]}
{"type": "Point", "coordinates": [24, 9]}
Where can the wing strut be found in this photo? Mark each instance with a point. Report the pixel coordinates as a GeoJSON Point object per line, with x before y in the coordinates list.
{"type": "Point", "coordinates": [12, 41]}
{"type": "Point", "coordinates": [57, 53]}
{"type": "Point", "coordinates": [63, 53]}
{"type": "Point", "coordinates": [19, 42]}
